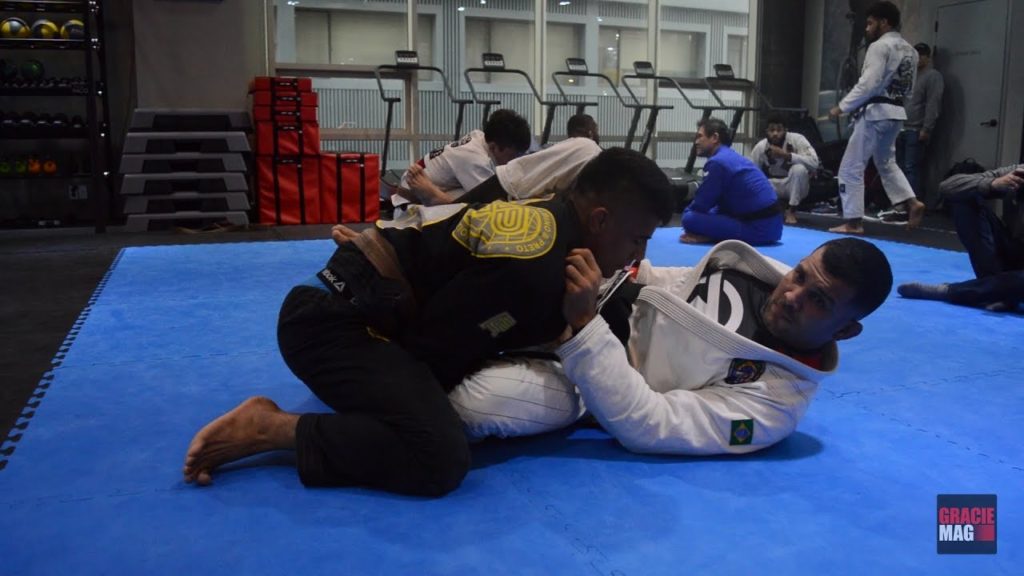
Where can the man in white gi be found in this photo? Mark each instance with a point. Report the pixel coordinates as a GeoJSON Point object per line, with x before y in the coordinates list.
{"type": "Point", "coordinates": [547, 171]}
{"type": "Point", "coordinates": [788, 159]}
{"type": "Point", "coordinates": [876, 103]}
{"type": "Point", "coordinates": [445, 174]}
{"type": "Point", "coordinates": [723, 357]}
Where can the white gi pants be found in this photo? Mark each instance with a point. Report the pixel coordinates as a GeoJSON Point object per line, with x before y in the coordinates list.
{"type": "Point", "coordinates": [871, 139]}
{"type": "Point", "coordinates": [795, 186]}
{"type": "Point", "coordinates": [516, 397]}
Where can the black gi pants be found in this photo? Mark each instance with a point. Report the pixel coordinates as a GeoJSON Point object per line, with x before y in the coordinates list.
{"type": "Point", "coordinates": [997, 257]}
{"type": "Point", "coordinates": [393, 427]}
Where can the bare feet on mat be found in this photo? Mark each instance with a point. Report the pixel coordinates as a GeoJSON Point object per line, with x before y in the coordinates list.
{"type": "Point", "coordinates": [847, 228]}
{"type": "Point", "coordinates": [254, 426]}
{"type": "Point", "coordinates": [790, 217]}
{"type": "Point", "coordinates": [689, 238]}
{"type": "Point", "coordinates": [915, 212]}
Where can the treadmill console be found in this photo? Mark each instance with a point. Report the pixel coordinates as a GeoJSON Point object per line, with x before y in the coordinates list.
{"type": "Point", "coordinates": [643, 68]}
{"type": "Point", "coordinates": [406, 58]}
{"type": "Point", "coordinates": [494, 61]}
{"type": "Point", "coordinates": [576, 65]}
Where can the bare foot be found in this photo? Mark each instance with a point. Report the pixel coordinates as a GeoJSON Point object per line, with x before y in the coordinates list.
{"type": "Point", "coordinates": [790, 217]}
{"type": "Point", "coordinates": [915, 211]}
{"type": "Point", "coordinates": [254, 426]}
{"type": "Point", "coordinates": [688, 238]}
{"type": "Point", "coordinates": [847, 228]}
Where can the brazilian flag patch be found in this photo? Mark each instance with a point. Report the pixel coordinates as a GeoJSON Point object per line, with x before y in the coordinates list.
{"type": "Point", "coordinates": [742, 432]}
{"type": "Point", "coordinates": [742, 371]}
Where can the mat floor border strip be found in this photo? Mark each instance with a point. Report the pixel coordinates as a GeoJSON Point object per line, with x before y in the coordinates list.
{"type": "Point", "coordinates": [17, 431]}
{"type": "Point", "coordinates": [871, 238]}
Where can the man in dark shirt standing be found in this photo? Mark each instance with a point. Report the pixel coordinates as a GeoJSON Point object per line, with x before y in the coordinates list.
{"type": "Point", "coordinates": [401, 314]}
{"type": "Point", "coordinates": [922, 114]}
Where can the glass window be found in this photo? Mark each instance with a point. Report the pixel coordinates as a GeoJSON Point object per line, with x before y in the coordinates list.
{"type": "Point", "coordinates": [564, 41]}
{"type": "Point", "coordinates": [506, 37]}
{"type": "Point", "coordinates": [349, 32]}
{"type": "Point", "coordinates": [683, 54]}
{"type": "Point", "coordinates": [736, 54]}
{"type": "Point", "coordinates": [618, 48]}
{"type": "Point", "coordinates": [312, 32]}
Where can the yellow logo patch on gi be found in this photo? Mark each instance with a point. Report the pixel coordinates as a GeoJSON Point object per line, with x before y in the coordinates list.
{"type": "Point", "coordinates": [742, 371]}
{"type": "Point", "coordinates": [498, 324]}
{"type": "Point", "coordinates": [503, 230]}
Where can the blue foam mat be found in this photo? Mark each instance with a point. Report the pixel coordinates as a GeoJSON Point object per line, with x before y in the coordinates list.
{"type": "Point", "coordinates": [926, 402]}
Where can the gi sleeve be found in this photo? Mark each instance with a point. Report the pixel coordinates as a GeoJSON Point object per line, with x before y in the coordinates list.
{"type": "Point", "coordinates": [805, 154]}
{"type": "Point", "coordinates": [870, 82]}
{"type": "Point", "coordinates": [711, 188]}
{"type": "Point", "coordinates": [758, 156]}
{"type": "Point", "coordinates": [688, 422]}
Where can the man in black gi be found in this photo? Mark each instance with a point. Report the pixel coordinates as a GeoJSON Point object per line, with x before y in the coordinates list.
{"type": "Point", "coordinates": [402, 312]}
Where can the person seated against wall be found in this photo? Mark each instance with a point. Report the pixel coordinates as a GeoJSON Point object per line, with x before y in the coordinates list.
{"type": "Point", "coordinates": [735, 201]}
{"type": "Point", "coordinates": [788, 160]}
{"type": "Point", "coordinates": [995, 247]}
{"type": "Point", "coordinates": [445, 174]}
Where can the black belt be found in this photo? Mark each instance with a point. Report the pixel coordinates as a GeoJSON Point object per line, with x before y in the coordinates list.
{"type": "Point", "coordinates": [875, 100]}
{"type": "Point", "coordinates": [885, 100]}
{"type": "Point", "coordinates": [766, 212]}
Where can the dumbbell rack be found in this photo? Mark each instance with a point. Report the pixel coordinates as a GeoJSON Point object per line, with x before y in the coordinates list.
{"type": "Point", "coordinates": [97, 116]}
{"type": "Point", "coordinates": [185, 168]}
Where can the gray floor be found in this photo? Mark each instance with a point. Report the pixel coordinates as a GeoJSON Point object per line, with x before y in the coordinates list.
{"type": "Point", "coordinates": [49, 276]}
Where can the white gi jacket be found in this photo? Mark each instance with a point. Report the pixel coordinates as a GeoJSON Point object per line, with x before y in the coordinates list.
{"type": "Point", "coordinates": [457, 167]}
{"type": "Point", "coordinates": [800, 148]}
{"type": "Point", "coordinates": [890, 67]}
{"type": "Point", "coordinates": [671, 392]}
{"type": "Point", "coordinates": [688, 385]}
{"type": "Point", "coordinates": [547, 171]}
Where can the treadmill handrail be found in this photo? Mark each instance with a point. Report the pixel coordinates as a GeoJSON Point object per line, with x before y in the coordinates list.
{"type": "Point", "coordinates": [741, 85]}
{"type": "Point", "coordinates": [472, 89]}
{"type": "Point", "coordinates": [444, 79]}
{"type": "Point", "coordinates": [557, 73]}
{"type": "Point", "coordinates": [686, 98]}
{"type": "Point", "coordinates": [625, 85]}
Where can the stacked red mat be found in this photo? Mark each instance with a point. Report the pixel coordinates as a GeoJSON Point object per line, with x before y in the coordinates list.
{"type": "Point", "coordinates": [297, 183]}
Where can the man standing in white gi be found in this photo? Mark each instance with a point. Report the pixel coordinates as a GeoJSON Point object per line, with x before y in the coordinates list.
{"type": "Point", "coordinates": [788, 160]}
{"type": "Point", "coordinates": [876, 103]}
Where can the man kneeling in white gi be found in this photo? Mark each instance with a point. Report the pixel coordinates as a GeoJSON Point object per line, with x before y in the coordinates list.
{"type": "Point", "coordinates": [723, 357]}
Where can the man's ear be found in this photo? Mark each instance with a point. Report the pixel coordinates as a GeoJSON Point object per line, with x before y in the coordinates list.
{"type": "Point", "coordinates": [598, 219]}
{"type": "Point", "coordinates": [849, 331]}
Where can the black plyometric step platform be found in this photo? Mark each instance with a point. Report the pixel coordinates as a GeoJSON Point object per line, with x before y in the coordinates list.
{"type": "Point", "coordinates": [179, 142]}
{"type": "Point", "coordinates": [184, 162]}
{"type": "Point", "coordinates": [183, 182]}
{"type": "Point", "coordinates": [186, 202]}
{"type": "Point", "coordinates": [188, 219]}
{"type": "Point", "coordinates": [189, 120]}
